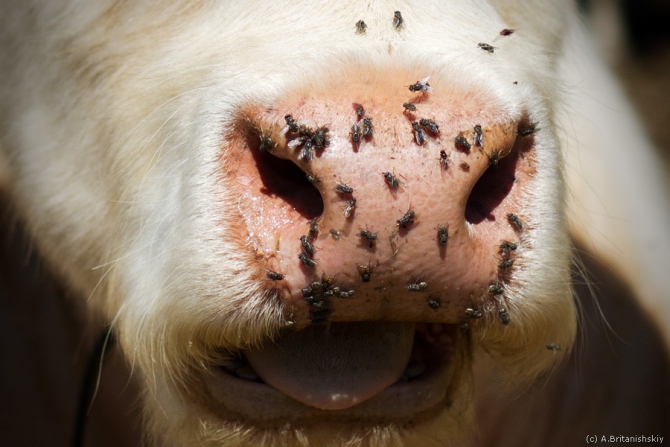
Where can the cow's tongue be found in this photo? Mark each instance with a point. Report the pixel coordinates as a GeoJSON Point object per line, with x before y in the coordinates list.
{"type": "Point", "coordinates": [337, 366]}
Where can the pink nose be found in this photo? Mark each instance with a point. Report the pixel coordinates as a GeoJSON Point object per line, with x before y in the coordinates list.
{"type": "Point", "coordinates": [370, 200]}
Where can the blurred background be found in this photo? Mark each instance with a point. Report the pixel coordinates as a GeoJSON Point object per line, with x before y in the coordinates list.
{"type": "Point", "coordinates": [634, 36]}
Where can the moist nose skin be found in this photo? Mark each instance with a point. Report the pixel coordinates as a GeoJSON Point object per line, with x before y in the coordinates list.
{"type": "Point", "coordinates": [366, 200]}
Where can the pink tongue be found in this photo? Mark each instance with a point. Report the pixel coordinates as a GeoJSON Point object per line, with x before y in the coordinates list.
{"type": "Point", "coordinates": [338, 366]}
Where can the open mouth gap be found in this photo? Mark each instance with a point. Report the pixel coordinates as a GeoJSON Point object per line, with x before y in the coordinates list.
{"type": "Point", "coordinates": [497, 181]}
{"type": "Point", "coordinates": [432, 348]}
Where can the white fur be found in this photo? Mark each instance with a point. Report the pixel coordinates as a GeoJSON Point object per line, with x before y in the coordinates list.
{"type": "Point", "coordinates": [111, 129]}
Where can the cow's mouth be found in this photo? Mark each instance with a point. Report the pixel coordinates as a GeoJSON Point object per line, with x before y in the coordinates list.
{"type": "Point", "coordinates": [408, 375]}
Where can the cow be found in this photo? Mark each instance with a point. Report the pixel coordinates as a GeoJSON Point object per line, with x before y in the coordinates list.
{"type": "Point", "coordinates": [414, 223]}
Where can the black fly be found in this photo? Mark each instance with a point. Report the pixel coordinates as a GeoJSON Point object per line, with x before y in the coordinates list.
{"type": "Point", "coordinates": [444, 159]}
{"type": "Point", "coordinates": [461, 143]}
{"type": "Point", "coordinates": [486, 47]}
{"type": "Point", "coordinates": [274, 275]}
{"type": "Point", "coordinates": [306, 245]}
{"type": "Point", "coordinates": [409, 107]}
{"type": "Point", "coordinates": [479, 136]}
{"type": "Point", "coordinates": [417, 286]}
{"type": "Point", "coordinates": [356, 133]}
{"type": "Point", "coordinates": [313, 179]}
{"type": "Point", "coordinates": [360, 111]}
{"type": "Point", "coordinates": [326, 281]}
{"type": "Point", "coordinates": [343, 188]}
{"type": "Point", "coordinates": [306, 260]}
{"type": "Point", "coordinates": [430, 125]}
{"type": "Point", "coordinates": [370, 236]}
{"type": "Point", "coordinates": [493, 159]}
{"type": "Point", "coordinates": [504, 316]}
{"type": "Point", "coordinates": [505, 264]}
{"type": "Point", "coordinates": [528, 130]}
{"type": "Point", "coordinates": [360, 27]}
{"type": "Point", "coordinates": [495, 289]}
{"type": "Point", "coordinates": [421, 86]}
{"type": "Point", "coordinates": [506, 247]}
{"type": "Point", "coordinates": [365, 271]}
{"type": "Point", "coordinates": [442, 234]}
{"type": "Point", "coordinates": [313, 228]}
{"type": "Point", "coordinates": [434, 303]}
{"type": "Point", "coordinates": [307, 151]}
{"type": "Point", "coordinates": [367, 127]}
{"type": "Point", "coordinates": [266, 144]}
{"type": "Point", "coordinates": [346, 293]}
{"type": "Point", "coordinates": [292, 125]}
{"type": "Point", "coordinates": [406, 219]}
{"type": "Point", "coordinates": [419, 136]}
{"type": "Point", "coordinates": [473, 313]}
{"type": "Point", "coordinates": [391, 180]}
{"type": "Point", "coordinates": [351, 204]}
{"type": "Point", "coordinates": [515, 221]}
{"type": "Point", "coordinates": [397, 20]}
{"type": "Point", "coordinates": [320, 138]}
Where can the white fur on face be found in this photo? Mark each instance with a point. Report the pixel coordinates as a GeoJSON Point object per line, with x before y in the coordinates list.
{"type": "Point", "coordinates": [113, 133]}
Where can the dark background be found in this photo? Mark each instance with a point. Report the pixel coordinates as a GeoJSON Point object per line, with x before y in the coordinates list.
{"type": "Point", "coordinates": [635, 36]}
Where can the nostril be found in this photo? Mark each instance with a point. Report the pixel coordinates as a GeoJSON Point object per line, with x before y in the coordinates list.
{"type": "Point", "coordinates": [494, 185]}
{"type": "Point", "coordinates": [281, 180]}
{"type": "Point", "coordinates": [271, 193]}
